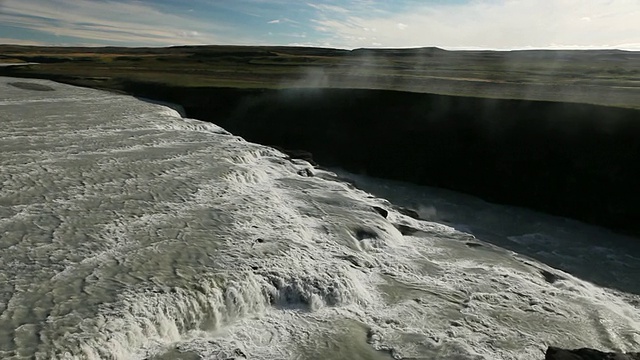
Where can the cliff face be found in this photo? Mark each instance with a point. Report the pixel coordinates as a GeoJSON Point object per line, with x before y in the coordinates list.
{"type": "Point", "coordinates": [574, 160]}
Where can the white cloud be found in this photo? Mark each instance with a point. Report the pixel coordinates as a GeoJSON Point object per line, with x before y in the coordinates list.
{"type": "Point", "coordinates": [490, 24]}
{"type": "Point", "coordinates": [13, 41]}
{"type": "Point", "coordinates": [329, 8]}
{"type": "Point", "coordinates": [111, 21]}
{"type": "Point", "coordinates": [288, 21]}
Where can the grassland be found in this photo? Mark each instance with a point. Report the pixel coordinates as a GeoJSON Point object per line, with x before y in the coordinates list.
{"type": "Point", "coordinates": [596, 77]}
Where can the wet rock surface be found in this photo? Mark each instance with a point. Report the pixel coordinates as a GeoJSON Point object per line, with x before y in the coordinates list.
{"type": "Point", "coordinates": [31, 86]}
{"type": "Point", "coordinates": [554, 353]}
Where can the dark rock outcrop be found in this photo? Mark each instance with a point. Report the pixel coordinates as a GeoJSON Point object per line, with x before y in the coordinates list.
{"type": "Point", "coordinates": [31, 86]}
{"type": "Point", "coordinates": [473, 245]}
{"type": "Point", "coordinates": [567, 159]}
{"type": "Point", "coordinates": [554, 353]}
{"type": "Point", "coordinates": [406, 230]}
{"type": "Point", "coordinates": [407, 212]}
{"type": "Point", "coordinates": [550, 277]}
{"type": "Point", "coordinates": [383, 212]}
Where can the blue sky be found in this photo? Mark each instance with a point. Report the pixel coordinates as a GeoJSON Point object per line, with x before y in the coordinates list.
{"type": "Point", "coordinates": [450, 24]}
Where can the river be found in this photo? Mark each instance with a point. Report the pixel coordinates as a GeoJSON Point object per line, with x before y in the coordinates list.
{"type": "Point", "coordinates": [129, 232]}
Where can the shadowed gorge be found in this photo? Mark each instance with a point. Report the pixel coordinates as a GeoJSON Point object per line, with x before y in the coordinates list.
{"type": "Point", "coordinates": [555, 131]}
{"type": "Point", "coordinates": [574, 160]}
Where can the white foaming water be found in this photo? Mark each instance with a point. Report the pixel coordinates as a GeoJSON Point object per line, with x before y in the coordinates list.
{"type": "Point", "coordinates": [131, 233]}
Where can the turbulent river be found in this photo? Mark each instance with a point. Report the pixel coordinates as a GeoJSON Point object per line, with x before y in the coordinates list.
{"type": "Point", "coordinates": [129, 232]}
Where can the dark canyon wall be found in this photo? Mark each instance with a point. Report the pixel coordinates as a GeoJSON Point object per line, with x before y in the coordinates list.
{"type": "Point", "coordinates": [574, 160]}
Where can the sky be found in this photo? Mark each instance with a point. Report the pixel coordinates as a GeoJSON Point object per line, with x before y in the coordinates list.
{"type": "Point", "coordinates": [449, 24]}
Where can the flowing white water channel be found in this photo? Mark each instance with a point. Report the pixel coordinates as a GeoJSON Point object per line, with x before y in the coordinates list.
{"type": "Point", "coordinates": [128, 232]}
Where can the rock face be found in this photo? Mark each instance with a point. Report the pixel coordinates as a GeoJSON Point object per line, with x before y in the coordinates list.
{"type": "Point", "coordinates": [573, 160]}
{"type": "Point", "coordinates": [587, 354]}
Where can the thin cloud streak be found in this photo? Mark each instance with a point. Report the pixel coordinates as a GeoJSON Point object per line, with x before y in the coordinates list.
{"type": "Point", "coordinates": [284, 21]}
{"type": "Point", "coordinates": [95, 21]}
{"type": "Point", "coordinates": [4, 40]}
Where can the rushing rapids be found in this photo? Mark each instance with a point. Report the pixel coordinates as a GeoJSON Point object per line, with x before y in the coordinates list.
{"type": "Point", "coordinates": [128, 232]}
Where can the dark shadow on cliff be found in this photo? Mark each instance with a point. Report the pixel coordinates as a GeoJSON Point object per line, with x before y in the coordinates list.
{"type": "Point", "coordinates": [573, 160]}
{"type": "Point", "coordinates": [566, 159]}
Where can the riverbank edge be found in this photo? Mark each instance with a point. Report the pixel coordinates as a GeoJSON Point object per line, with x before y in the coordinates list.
{"type": "Point", "coordinates": [566, 159]}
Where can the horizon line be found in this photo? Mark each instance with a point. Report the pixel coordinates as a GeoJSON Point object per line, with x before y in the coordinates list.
{"type": "Point", "coordinates": [97, 46]}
